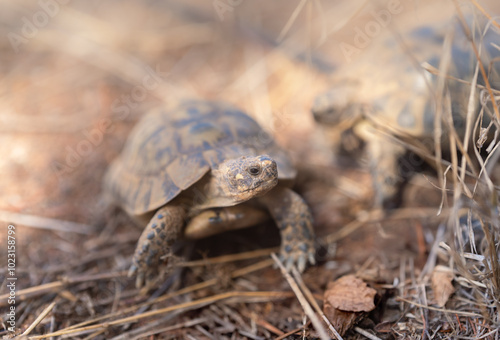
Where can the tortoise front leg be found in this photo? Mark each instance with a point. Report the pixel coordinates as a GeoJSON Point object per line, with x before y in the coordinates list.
{"type": "Point", "coordinates": [155, 242]}
{"type": "Point", "coordinates": [295, 223]}
{"type": "Point", "coordinates": [383, 155]}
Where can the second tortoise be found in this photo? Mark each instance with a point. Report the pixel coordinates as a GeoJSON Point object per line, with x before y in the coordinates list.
{"type": "Point", "coordinates": [386, 98]}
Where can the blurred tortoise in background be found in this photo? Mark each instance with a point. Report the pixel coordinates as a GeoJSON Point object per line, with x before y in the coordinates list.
{"type": "Point", "coordinates": [385, 100]}
{"type": "Point", "coordinates": [201, 168]}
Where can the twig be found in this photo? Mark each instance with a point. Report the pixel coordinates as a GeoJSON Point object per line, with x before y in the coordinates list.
{"type": "Point", "coordinates": [204, 332]}
{"type": "Point", "coordinates": [263, 323]}
{"type": "Point", "coordinates": [250, 335]}
{"type": "Point", "coordinates": [442, 310]}
{"type": "Point", "coordinates": [40, 318]}
{"type": "Point", "coordinates": [296, 330]}
{"type": "Point", "coordinates": [183, 307]}
{"type": "Point", "coordinates": [291, 20]}
{"type": "Point", "coordinates": [95, 334]}
{"type": "Point", "coordinates": [303, 301]}
{"type": "Point", "coordinates": [144, 327]}
{"type": "Point", "coordinates": [432, 257]}
{"type": "Point", "coordinates": [56, 286]}
{"type": "Point", "coordinates": [230, 258]}
{"type": "Point", "coordinates": [366, 334]}
{"type": "Point", "coordinates": [485, 13]}
{"type": "Point", "coordinates": [186, 324]}
{"type": "Point", "coordinates": [190, 289]}
{"type": "Point", "coordinates": [39, 222]}
{"type": "Point", "coordinates": [352, 226]}
{"type": "Point", "coordinates": [377, 216]}
{"type": "Point", "coordinates": [313, 302]}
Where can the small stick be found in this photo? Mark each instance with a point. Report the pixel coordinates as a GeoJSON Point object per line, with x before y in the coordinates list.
{"type": "Point", "coordinates": [230, 258]}
{"type": "Point", "coordinates": [366, 334]}
{"type": "Point", "coordinates": [182, 307]}
{"type": "Point", "coordinates": [296, 330]}
{"type": "Point", "coordinates": [269, 327]}
{"type": "Point", "coordinates": [186, 324]}
{"type": "Point", "coordinates": [441, 310]}
{"type": "Point", "coordinates": [313, 302]}
{"type": "Point", "coordinates": [189, 289]}
{"type": "Point", "coordinates": [377, 216]}
{"type": "Point", "coordinates": [46, 223]}
{"type": "Point", "coordinates": [95, 334]}
{"type": "Point", "coordinates": [291, 20]}
{"type": "Point", "coordinates": [40, 318]}
{"type": "Point", "coordinates": [303, 301]}
{"type": "Point", "coordinates": [56, 286]}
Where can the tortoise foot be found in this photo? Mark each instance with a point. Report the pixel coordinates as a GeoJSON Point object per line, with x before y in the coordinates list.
{"type": "Point", "coordinates": [154, 244]}
{"type": "Point", "coordinates": [295, 223]}
{"type": "Point", "coordinates": [297, 247]}
{"type": "Point", "coordinates": [145, 265]}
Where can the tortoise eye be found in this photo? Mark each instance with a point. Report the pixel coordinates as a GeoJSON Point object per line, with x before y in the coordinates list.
{"type": "Point", "coordinates": [254, 170]}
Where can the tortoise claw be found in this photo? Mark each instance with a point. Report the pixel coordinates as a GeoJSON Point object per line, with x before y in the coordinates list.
{"type": "Point", "coordinates": [144, 265]}
{"type": "Point", "coordinates": [301, 255]}
{"type": "Point", "coordinates": [139, 280]}
{"type": "Point", "coordinates": [312, 260]}
{"type": "Point", "coordinates": [301, 263]}
{"type": "Point", "coordinates": [289, 264]}
{"type": "Point", "coordinates": [132, 270]}
{"type": "Point", "coordinates": [143, 278]}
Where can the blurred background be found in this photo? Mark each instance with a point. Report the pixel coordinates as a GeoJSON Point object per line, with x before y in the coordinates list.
{"type": "Point", "coordinates": [76, 75]}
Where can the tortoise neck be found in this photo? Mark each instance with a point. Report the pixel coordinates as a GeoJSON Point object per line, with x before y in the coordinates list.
{"type": "Point", "coordinates": [209, 192]}
{"type": "Point", "coordinates": [215, 187]}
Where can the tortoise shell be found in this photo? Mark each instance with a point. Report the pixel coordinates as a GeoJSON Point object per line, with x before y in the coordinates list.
{"type": "Point", "coordinates": [169, 150]}
{"type": "Point", "coordinates": [389, 80]}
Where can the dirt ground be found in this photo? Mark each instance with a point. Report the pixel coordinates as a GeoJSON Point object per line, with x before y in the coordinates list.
{"type": "Point", "coordinates": [74, 79]}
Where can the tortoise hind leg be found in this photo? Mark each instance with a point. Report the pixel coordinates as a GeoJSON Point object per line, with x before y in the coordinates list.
{"type": "Point", "coordinates": [294, 220]}
{"type": "Point", "coordinates": [156, 239]}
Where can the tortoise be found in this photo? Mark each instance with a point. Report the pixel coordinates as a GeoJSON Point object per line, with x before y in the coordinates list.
{"type": "Point", "coordinates": [386, 96]}
{"type": "Point", "coordinates": [197, 168]}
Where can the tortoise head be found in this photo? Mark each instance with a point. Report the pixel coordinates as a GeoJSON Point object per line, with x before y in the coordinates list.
{"type": "Point", "coordinates": [337, 106]}
{"type": "Point", "coordinates": [244, 178]}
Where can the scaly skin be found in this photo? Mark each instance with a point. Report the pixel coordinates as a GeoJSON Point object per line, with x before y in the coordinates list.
{"type": "Point", "coordinates": [295, 223]}
{"type": "Point", "coordinates": [156, 240]}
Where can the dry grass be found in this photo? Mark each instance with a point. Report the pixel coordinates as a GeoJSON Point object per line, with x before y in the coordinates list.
{"type": "Point", "coordinates": [85, 66]}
